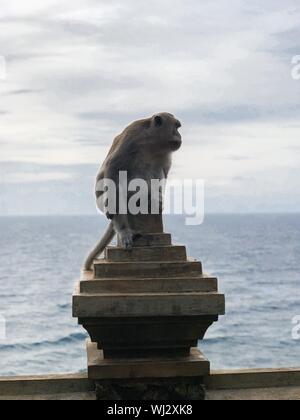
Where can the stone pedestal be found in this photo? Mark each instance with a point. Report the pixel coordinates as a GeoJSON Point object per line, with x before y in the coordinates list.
{"type": "Point", "coordinates": [145, 311]}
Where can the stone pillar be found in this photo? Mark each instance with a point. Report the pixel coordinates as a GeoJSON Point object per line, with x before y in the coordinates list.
{"type": "Point", "coordinates": [145, 311]}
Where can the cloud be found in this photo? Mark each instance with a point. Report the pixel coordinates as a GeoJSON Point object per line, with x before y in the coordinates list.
{"type": "Point", "coordinates": [28, 188]}
{"type": "Point", "coordinates": [13, 167]}
{"type": "Point", "coordinates": [239, 158]}
{"type": "Point", "coordinates": [23, 92]}
{"type": "Point", "coordinates": [79, 71]}
{"type": "Point", "coordinates": [27, 177]}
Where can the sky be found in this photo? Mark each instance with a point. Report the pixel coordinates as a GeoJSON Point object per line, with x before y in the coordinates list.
{"type": "Point", "coordinates": [79, 71]}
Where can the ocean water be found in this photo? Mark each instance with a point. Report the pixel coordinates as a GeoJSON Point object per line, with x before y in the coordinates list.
{"type": "Point", "coordinates": [255, 257]}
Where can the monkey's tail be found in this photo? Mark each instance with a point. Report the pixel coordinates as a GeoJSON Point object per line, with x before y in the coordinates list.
{"type": "Point", "coordinates": [100, 247]}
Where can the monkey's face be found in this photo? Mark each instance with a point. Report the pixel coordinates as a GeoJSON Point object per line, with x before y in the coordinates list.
{"type": "Point", "coordinates": [165, 129]}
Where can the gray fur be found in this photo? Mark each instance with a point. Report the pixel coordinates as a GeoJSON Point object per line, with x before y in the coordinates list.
{"type": "Point", "coordinates": [144, 150]}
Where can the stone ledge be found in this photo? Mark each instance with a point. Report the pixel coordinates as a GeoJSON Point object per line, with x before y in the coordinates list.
{"type": "Point", "coordinates": [64, 387]}
{"type": "Point", "coordinates": [158, 239]}
{"type": "Point", "coordinates": [255, 394]}
{"type": "Point", "coordinates": [147, 304]}
{"type": "Point", "coordinates": [202, 284]}
{"type": "Point", "coordinates": [146, 254]}
{"type": "Point", "coordinates": [49, 384]}
{"type": "Point", "coordinates": [253, 378]}
{"type": "Point", "coordinates": [107, 269]}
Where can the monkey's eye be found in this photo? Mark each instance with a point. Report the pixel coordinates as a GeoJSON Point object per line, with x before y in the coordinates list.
{"type": "Point", "coordinates": [158, 121]}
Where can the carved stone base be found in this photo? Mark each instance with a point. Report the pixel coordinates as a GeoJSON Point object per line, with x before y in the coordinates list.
{"type": "Point", "coordinates": [193, 365]}
{"type": "Point", "coordinates": [177, 389]}
{"type": "Point", "coordinates": [145, 310]}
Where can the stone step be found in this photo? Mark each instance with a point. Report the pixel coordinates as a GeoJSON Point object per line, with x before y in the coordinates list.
{"type": "Point", "coordinates": [154, 239]}
{"type": "Point", "coordinates": [193, 284]}
{"type": "Point", "coordinates": [105, 269]}
{"type": "Point", "coordinates": [147, 304]}
{"type": "Point", "coordinates": [195, 366]}
{"type": "Point", "coordinates": [148, 253]}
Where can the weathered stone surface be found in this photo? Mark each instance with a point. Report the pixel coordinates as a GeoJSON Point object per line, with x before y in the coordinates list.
{"type": "Point", "coordinates": [72, 396]}
{"type": "Point", "coordinates": [105, 269]}
{"type": "Point", "coordinates": [106, 393]}
{"type": "Point", "coordinates": [181, 389]}
{"type": "Point", "coordinates": [147, 304]}
{"type": "Point", "coordinates": [194, 365]}
{"type": "Point", "coordinates": [140, 285]}
{"type": "Point", "coordinates": [255, 394]}
{"type": "Point", "coordinates": [148, 253]}
{"type": "Point", "coordinates": [158, 239]}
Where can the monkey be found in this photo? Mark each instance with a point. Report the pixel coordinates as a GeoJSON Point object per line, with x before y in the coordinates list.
{"type": "Point", "coordinates": [143, 150]}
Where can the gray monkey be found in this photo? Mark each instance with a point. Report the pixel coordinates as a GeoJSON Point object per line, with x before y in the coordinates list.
{"type": "Point", "coordinates": [143, 150]}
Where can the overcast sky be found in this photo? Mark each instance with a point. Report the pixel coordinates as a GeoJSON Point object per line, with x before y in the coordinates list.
{"type": "Point", "coordinates": [78, 71]}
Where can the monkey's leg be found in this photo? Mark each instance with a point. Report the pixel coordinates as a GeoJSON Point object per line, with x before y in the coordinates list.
{"type": "Point", "coordinates": [121, 226]}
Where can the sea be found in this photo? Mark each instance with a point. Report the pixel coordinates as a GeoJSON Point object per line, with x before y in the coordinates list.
{"type": "Point", "coordinates": [255, 257]}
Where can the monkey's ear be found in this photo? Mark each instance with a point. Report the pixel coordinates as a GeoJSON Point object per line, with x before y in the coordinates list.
{"type": "Point", "coordinates": [158, 121]}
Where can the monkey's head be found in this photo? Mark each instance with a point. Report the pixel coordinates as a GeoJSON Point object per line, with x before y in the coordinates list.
{"type": "Point", "coordinates": [164, 129]}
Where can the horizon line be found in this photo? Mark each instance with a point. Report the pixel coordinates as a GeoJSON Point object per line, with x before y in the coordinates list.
{"type": "Point", "coordinates": [238, 213]}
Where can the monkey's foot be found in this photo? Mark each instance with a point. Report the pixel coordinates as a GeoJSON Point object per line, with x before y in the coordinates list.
{"type": "Point", "coordinates": [127, 239]}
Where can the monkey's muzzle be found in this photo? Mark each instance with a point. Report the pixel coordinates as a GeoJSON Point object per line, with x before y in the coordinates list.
{"type": "Point", "coordinates": [175, 144]}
